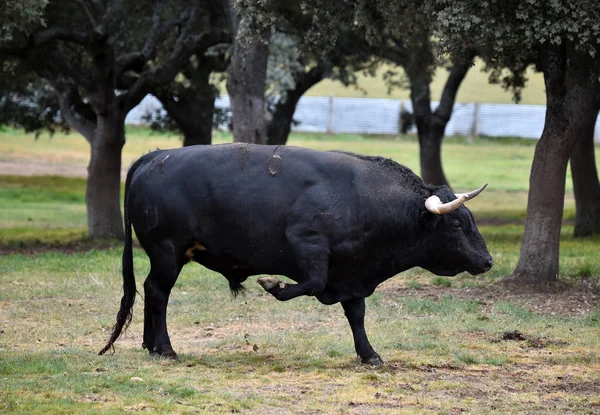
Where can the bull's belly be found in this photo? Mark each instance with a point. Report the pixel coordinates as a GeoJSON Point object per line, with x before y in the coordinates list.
{"type": "Point", "coordinates": [244, 263]}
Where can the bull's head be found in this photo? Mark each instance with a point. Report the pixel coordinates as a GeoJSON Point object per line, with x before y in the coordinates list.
{"type": "Point", "coordinates": [457, 245]}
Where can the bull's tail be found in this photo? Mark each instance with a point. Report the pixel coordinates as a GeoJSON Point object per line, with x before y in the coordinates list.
{"type": "Point", "coordinates": [125, 313]}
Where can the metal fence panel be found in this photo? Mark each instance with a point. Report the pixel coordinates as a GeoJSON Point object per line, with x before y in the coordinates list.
{"type": "Point", "coordinates": [512, 120]}
{"type": "Point", "coordinates": [462, 120]}
{"type": "Point", "coordinates": [381, 116]}
{"type": "Point", "coordinates": [365, 116]}
{"type": "Point", "coordinates": [313, 114]}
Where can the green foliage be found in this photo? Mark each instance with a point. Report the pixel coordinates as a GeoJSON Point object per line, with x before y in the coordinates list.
{"type": "Point", "coordinates": [512, 36]}
{"type": "Point", "coordinates": [20, 15]}
{"type": "Point", "coordinates": [30, 103]}
{"type": "Point", "coordinates": [284, 62]}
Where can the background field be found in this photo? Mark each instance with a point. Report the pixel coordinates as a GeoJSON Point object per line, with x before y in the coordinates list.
{"type": "Point", "coordinates": [475, 88]}
{"type": "Point", "coordinates": [449, 344]}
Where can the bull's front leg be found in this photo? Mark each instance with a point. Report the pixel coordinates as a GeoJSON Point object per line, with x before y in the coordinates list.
{"type": "Point", "coordinates": [355, 313]}
{"type": "Point", "coordinates": [284, 291]}
{"type": "Point", "coordinates": [313, 258]}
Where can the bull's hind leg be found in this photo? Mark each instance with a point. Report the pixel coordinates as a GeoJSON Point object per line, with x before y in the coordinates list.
{"type": "Point", "coordinates": [165, 267]}
{"type": "Point", "coordinates": [355, 313]}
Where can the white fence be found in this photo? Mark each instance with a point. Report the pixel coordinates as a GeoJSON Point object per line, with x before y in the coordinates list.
{"type": "Point", "coordinates": [381, 116]}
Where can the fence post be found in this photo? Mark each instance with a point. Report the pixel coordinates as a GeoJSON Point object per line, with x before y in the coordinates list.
{"type": "Point", "coordinates": [400, 111]}
{"type": "Point", "coordinates": [475, 125]}
{"type": "Point", "coordinates": [330, 127]}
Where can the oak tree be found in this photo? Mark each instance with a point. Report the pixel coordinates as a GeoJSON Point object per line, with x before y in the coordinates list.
{"type": "Point", "coordinates": [562, 40]}
{"type": "Point", "coordinates": [101, 58]}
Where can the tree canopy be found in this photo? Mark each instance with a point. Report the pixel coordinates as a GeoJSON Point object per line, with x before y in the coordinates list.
{"type": "Point", "coordinates": [101, 59]}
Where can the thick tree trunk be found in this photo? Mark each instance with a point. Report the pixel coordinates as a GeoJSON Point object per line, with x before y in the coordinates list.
{"type": "Point", "coordinates": [585, 182]}
{"type": "Point", "coordinates": [103, 198]}
{"type": "Point", "coordinates": [193, 112]}
{"type": "Point", "coordinates": [281, 125]}
{"type": "Point", "coordinates": [570, 84]}
{"type": "Point", "coordinates": [246, 79]}
{"type": "Point", "coordinates": [192, 106]}
{"type": "Point", "coordinates": [197, 129]}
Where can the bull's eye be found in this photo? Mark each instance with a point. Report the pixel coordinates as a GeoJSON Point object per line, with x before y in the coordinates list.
{"type": "Point", "coordinates": [456, 225]}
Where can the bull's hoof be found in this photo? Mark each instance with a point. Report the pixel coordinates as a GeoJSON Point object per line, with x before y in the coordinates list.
{"type": "Point", "coordinates": [165, 351]}
{"type": "Point", "coordinates": [271, 285]}
{"type": "Point", "coordinates": [374, 361]}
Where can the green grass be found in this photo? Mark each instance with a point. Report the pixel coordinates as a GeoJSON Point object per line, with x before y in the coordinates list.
{"type": "Point", "coordinates": [57, 310]}
{"type": "Point", "coordinates": [440, 337]}
{"type": "Point", "coordinates": [441, 281]}
{"type": "Point", "coordinates": [50, 209]}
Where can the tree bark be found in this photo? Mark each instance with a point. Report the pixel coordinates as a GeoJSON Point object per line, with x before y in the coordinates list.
{"type": "Point", "coordinates": [585, 181]}
{"type": "Point", "coordinates": [246, 79]}
{"type": "Point", "coordinates": [430, 133]}
{"type": "Point", "coordinates": [431, 126]}
{"type": "Point", "coordinates": [192, 108]}
{"type": "Point", "coordinates": [104, 178]}
{"type": "Point", "coordinates": [279, 129]}
{"type": "Point", "coordinates": [570, 84]}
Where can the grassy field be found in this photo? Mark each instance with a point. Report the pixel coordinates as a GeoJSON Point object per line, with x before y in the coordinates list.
{"type": "Point", "coordinates": [475, 88]}
{"type": "Point", "coordinates": [449, 344]}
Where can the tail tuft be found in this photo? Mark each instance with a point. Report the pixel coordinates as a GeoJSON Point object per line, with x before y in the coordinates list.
{"type": "Point", "coordinates": [236, 288]}
{"type": "Point", "coordinates": [124, 317]}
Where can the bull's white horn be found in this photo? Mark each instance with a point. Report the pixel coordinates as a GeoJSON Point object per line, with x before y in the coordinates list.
{"type": "Point", "coordinates": [435, 205]}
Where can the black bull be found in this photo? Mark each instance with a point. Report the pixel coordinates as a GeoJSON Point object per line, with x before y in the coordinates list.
{"type": "Point", "coordinates": [337, 223]}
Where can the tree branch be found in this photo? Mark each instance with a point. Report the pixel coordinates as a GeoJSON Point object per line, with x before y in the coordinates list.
{"type": "Point", "coordinates": [457, 74]}
{"type": "Point", "coordinates": [61, 65]}
{"type": "Point", "coordinates": [396, 52]}
{"type": "Point", "coordinates": [136, 60]}
{"type": "Point", "coordinates": [88, 12]}
{"type": "Point", "coordinates": [73, 109]}
{"type": "Point", "coordinates": [185, 46]}
{"type": "Point", "coordinates": [61, 33]}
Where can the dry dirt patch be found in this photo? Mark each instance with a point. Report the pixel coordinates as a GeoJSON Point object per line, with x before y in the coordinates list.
{"type": "Point", "coordinates": [580, 298]}
{"type": "Point", "coordinates": [37, 168]}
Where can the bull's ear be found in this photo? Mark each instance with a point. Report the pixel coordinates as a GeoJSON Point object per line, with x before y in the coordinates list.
{"type": "Point", "coordinates": [429, 221]}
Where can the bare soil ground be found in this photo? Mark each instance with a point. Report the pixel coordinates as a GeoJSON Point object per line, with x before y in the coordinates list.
{"type": "Point", "coordinates": [29, 168]}
{"type": "Point", "coordinates": [561, 299]}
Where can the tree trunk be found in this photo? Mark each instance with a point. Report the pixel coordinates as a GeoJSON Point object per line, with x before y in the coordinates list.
{"type": "Point", "coordinates": [585, 182]}
{"type": "Point", "coordinates": [281, 125]}
{"type": "Point", "coordinates": [103, 198]}
{"type": "Point", "coordinates": [570, 84]}
{"type": "Point", "coordinates": [246, 79]}
{"type": "Point", "coordinates": [193, 112]}
{"type": "Point", "coordinates": [431, 126]}
{"type": "Point", "coordinates": [197, 129]}
{"type": "Point", "coordinates": [430, 133]}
